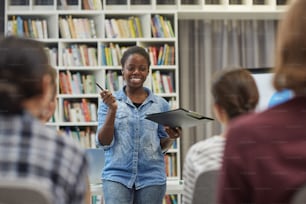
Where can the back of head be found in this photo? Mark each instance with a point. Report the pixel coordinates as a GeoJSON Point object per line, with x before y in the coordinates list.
{"type": "Point", "coordinates": [23, 63]}
{"type": "Point", "coordinates": [290, 64]}
{"type": "Point", "coordinates": [235, 91]}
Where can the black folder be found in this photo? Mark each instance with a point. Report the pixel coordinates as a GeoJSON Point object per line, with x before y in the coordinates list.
{"type": "Point", "coordinates": [178, 118]}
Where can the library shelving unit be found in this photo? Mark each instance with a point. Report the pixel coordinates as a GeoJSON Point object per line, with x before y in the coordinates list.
{"type": "Point", "coordinates": [85, 39]}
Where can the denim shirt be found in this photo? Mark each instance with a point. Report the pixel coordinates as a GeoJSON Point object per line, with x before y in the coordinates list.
{"type": "Point", "coordinates": [134, 156]}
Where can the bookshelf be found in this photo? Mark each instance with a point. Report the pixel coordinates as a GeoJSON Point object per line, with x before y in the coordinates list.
{"type": "Point", "coordinates": [85, 39]}
{"type": "Point", "coordinates": [85, 42]}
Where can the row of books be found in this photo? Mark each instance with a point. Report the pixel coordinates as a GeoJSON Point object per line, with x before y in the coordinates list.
{"type": "Point", "coordinates": [161, 27]}
{"type": "Point", "coordinates": [82, 55]}
{"type": "Point", "coordinates": [171, 162]}
{"type": "Point", "coordinates": [68, 118]}
{"type": "Point", "coordinates": [159, 55]}
{"type": "Point", "coordinates": [81, 28]}
{"type": "Point", "coordinates": [83, 137]}
{"type": "Point", "coordinates": [114, 81]}
{"type": "Point", "coordinates": [84, 28]}
{"type": "Point", "coordinates": [111, 54]}
{"type": "Point", "coordinates": [162, 83]}
{"type": "Point", "coordinates": [170, 199]}
{"type": "Point", "coordinates": [123, 28]}
{"type": "Point", "coordinates": [77, 83]}
{"type": "Point", "coordinates": [79, 55]}
{"type": "Point", "coordinates": [84, 111]}
{"type": "Point", "coordinates": [31, 28]}
{"type": "Point", "coordinates": [162, 55]}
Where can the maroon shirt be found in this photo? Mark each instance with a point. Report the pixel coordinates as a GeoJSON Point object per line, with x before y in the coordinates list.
{"type": "Point", "coordinates": [265, 156]}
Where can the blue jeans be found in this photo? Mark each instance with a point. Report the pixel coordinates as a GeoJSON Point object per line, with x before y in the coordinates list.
{"type": "Point", "coordinates": [114, 193]}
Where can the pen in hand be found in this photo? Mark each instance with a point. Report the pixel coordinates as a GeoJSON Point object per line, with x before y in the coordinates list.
{"type": "Point", "coordinates": [108, 98]}
{"type": "Point", "coordinates": [102, 90]}
{"type": "Point", "coordinates": [100, 87]}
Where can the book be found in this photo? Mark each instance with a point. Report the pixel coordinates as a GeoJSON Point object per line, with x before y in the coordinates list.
{"type": "Point", "coordinates": [71, 27]}
{"type": "Point", "coordinates": [86, 5]}
{"type": "Point", "coordinates": [179, 117]}
{"type": "Point", "coordinates": [92, 25]}
{"type": "Point", "coordinates": [63, 84]}
{"type": "Point", "coordinates": [97, 5]}
{"type": "Point", "coordinates": [64, 28]}
{"type": "Point", "coordinates": [108, 29]}
{"type": "Point", "coordinates": [115, 27]}
{"type": "Point", "coordinates": [34, 28]}
{"type": "Point", "coordinates": [45, 28]}
{"type": "Point", "coordinates": [165, 83]}
{"type": "Point", "coordinates": [69, 82]}
{"type": "Point", "coordinates": [103, 55]}
{"type": "Point", "coordinates": [85, 109]}
{"type": "Point", "coordinates": [20, 30]}
{"type": "Point", "coordinates": [39, 28]}
{"type": "Point", "coordinates": [138, 27]}
{"type": "Point", "coordinates": [170, 28]}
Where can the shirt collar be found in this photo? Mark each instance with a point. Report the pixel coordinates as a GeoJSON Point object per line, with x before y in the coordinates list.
{"type": "Point", "coordinates": [120, 95]}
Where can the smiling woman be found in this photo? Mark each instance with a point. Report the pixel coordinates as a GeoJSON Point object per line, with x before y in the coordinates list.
{"type": "Point", "coordinates": [133, 146]}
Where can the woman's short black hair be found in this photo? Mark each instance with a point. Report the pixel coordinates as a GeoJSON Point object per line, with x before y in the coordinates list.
{"type": "Point", "coordinates": [135, 50]}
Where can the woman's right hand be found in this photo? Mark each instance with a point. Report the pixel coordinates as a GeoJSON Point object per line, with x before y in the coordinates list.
{"type": "Point", "coordinates": [109, 99]}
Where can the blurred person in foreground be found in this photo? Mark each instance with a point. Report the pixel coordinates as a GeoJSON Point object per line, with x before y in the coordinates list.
{"type": "Point", "coordinates": [265, 154]}
{"type": "Point", "coordinates": [28, 149]}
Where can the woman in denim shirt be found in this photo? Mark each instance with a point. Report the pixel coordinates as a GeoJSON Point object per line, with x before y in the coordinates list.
{"type": "Point", "coordinates": [134, 170]}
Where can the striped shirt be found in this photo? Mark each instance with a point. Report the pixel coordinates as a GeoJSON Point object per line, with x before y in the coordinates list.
{"type": "Point", "coordinates": [203, 156]}
{"type": "Point", "coordinates": [30, 150]}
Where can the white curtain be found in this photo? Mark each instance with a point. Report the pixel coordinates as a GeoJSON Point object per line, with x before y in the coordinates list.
{"type": "Point", "coordinates": [206, 46]}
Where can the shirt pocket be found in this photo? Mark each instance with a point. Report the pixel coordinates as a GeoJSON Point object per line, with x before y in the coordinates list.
{"type": "Point", "coordinates": [122, 119]}
{"type": "Point", "coordinates": [148, 124]}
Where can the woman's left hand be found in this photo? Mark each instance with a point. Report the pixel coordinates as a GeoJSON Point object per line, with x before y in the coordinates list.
{"type": "Point", "coordinates": [173, 132]}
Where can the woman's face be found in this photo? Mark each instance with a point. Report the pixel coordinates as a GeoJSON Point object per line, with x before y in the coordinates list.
{"type": "Point", "coordinates": [135, 70]}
